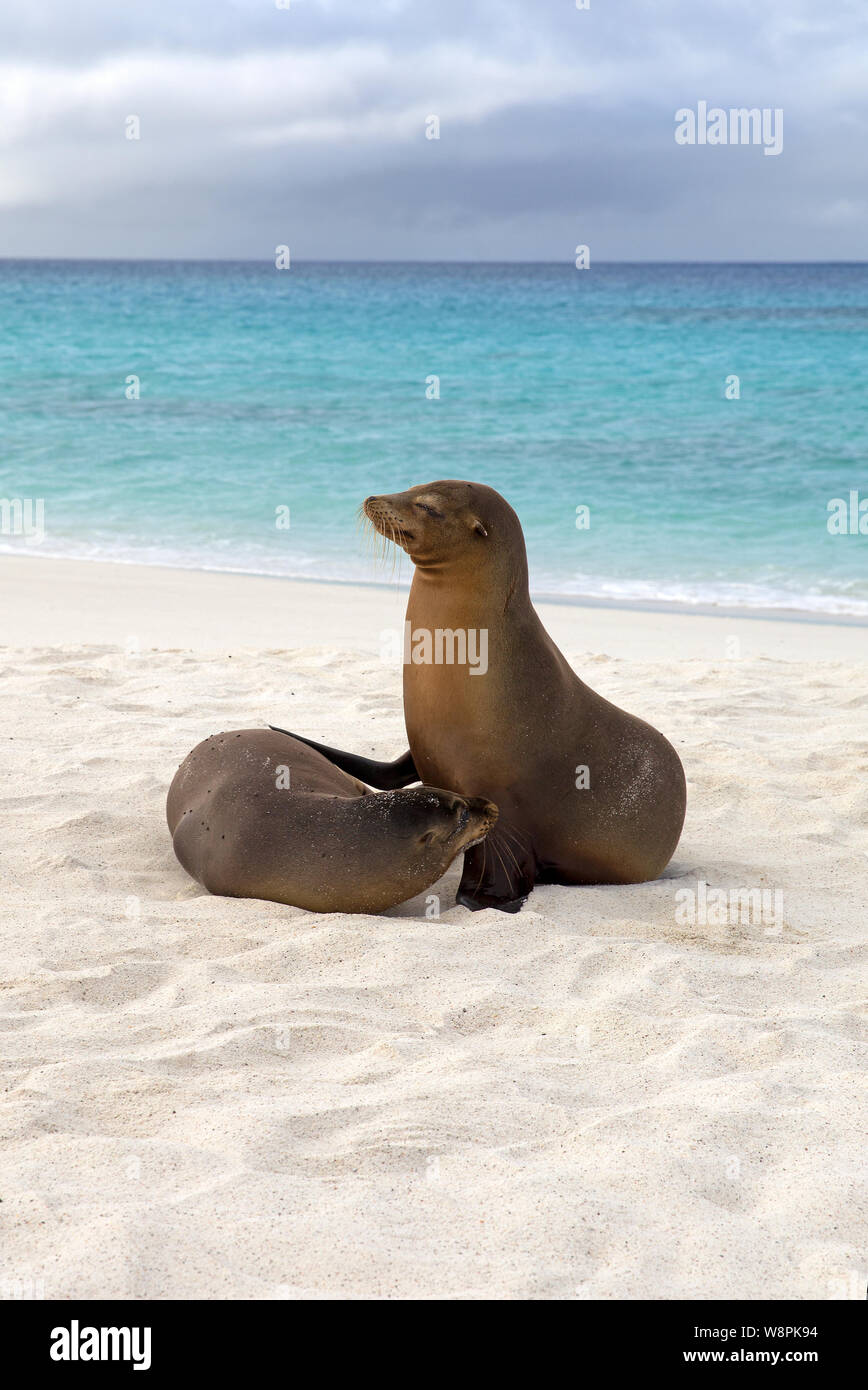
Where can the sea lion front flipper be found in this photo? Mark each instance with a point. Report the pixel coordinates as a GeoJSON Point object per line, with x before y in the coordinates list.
{"type": "Point", "coordinates": [499, 872]}
{"type": "Point", "coordinates": [387, 777]}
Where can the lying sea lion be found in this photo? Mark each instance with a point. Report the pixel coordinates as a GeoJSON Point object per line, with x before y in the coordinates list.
{"type": "Point", "coordinates": [255, 813]}
{"type": "Point", "coordinates": [587, 793]}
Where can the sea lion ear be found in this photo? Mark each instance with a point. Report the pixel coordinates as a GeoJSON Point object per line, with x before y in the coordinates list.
{"type": "Point", "coordinates": [476, 525]}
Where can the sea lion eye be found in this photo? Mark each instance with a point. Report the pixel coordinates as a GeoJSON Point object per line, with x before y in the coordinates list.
{"type": "Point", "coordinates": [432, 511]}
{"type": "Point", "coordinates": [427, 837]}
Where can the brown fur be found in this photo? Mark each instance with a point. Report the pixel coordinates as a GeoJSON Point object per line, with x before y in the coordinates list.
{"type": "Point", "coordinates": [326, 842]}
{"type": "Point", "coordinates": [518, 733]}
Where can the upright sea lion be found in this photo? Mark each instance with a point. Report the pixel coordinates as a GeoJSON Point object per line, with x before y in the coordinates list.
{"type": "Point", "coordinates": [587, 793]}
{"type": "Point", "coordinates": [256, 814]}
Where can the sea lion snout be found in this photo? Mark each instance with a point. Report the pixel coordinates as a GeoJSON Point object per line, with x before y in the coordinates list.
{"type": "Point", "coordinates": [465, 820]}
{"type": "Point", "coordinates": [478, 818]}
{"type": "Point", "coordinates": [390, 519]}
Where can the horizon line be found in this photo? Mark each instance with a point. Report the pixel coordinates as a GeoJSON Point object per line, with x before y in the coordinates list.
{"type": "Point", "coordinates": [267, 260]}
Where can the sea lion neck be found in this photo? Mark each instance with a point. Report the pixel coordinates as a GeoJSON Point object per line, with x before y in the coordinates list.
{"type": "Point", "coordinates": [497, 579]}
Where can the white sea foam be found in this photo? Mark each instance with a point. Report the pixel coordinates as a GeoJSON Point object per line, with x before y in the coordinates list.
{"type": "Point", "coordinates": [712, 593]}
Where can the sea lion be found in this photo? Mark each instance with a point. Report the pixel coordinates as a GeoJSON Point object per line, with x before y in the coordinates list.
{"type": "Point", "coordinates": [254, 813]}
{"type": "Point", "coordinates": [587, 793]}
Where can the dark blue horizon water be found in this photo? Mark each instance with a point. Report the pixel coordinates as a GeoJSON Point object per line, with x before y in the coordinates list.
{"type": "Point", "coordinates": [306, 389]}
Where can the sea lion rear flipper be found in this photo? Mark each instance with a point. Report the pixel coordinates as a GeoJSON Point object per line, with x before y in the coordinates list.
{"type": "Point", "coordinates": [387, 777]}
{"type": "Point", "coordinates": [499, 872]}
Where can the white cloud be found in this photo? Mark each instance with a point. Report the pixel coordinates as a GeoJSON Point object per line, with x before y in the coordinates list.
{"type": "Point", "coordinates": [62, 129]}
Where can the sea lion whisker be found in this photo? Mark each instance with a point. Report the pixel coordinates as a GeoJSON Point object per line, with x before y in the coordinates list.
{"type": "Point", "coordinates": [510, 835]}
{"type": "Point", "coordinates": [518, 868]}
{"type": "Point", "coordinates": [506, 846]}
{"type": "Point", "coordinates": [391, 529]}
{"type": "Point", "coordinates": [482, 870]}
{"type": "Point", "coordinates": [375, 545]}
{"type": "Point", "coordinates": [397, 552]}
{"type": "Point", "coordinates": [515, 831]}
{"type": "Point", "coordinates": [394, 550]}
{"type": "Point", "coordinates": [501, 861]}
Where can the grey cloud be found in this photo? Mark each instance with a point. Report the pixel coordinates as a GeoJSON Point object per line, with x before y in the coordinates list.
{"type": "Point", "coordinates": [262, 125]}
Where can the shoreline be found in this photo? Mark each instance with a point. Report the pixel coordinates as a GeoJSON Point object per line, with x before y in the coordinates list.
{"type": "Point", "coordinates": [99, 604]}
{"type": "Point", "coordinates": [538, 596]}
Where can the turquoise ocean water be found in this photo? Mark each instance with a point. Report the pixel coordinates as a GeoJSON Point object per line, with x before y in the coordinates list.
{"type": "Point", "coordinates": [263, 389]}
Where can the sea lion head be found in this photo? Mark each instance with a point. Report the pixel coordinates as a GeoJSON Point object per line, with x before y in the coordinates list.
{"type": "Point", "coordinates": [448, 523]}
{"type": "Point", "coordinates": [420, 831]}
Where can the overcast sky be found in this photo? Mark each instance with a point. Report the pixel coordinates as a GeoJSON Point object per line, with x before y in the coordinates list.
{"type": "Point", "coordinates": [306, 126]}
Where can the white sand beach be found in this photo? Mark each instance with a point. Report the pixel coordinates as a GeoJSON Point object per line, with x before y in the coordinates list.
{"type": "Point", "coordinates": [205, 1097]}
